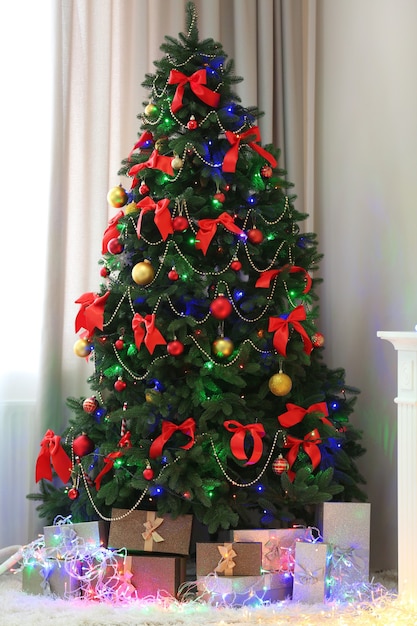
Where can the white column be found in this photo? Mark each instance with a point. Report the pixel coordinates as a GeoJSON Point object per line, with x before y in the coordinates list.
{"type": "Point", "coordinates": [406, 345]}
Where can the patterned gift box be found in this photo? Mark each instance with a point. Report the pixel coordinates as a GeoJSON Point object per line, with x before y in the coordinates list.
{"type": "Point", "coordinates": [65, 537]}
{"type": "Point", "coordinates": [244, 590]}
{"type": "Point", "coordinates": [310, 571]}
{"type": "Point", "coordinates": [145, 531]}
{"type": "Point", "coordinates": [345, 526]}
{"type": "Point", "coordinates": [51, 577]}
{"type": "Point", "coordinates": [229, 559]}
{"type": "Point", "coordinates": [278, 545]}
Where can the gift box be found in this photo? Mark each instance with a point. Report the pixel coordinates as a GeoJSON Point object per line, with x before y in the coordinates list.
{"type": "Point", "coordinates": [244, 590]}
{"type": "Point", "coordinates": [52, 577]}
{"type": "Point", "coordinates": [278, 545]}
{"type": "Point", "coordinates": [146, 531]}
{"type": "Point", "coordinates": [229, 559]}
{"type": "Point", "coordinates": [310, 572]}
{"type": "Point", "coordinates": [345, 526]}
{"type": "Point", "coordinates": [69, 538]}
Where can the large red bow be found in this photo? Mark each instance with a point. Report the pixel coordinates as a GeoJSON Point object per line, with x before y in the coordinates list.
{"type": "Point", "coordinates": [156, 161]}
{"type": "Point", "coordinates": [295, 414]}
{"type": "Point", "coordinates": [231, 156]}
{"type": "Point", "coordinates": [52, 453]}
{"type": "Point", "coordinates": [109, 459]}
{"type": "Point", "coordinates": [237, 442]}
{"type": "Point", "coordinates": [208, 228]}
{"type": "Point", "coordinates": [279, 326]}
{"type": "Point", "coordinates": [162, 215]}
{"type": "Point", "coordinates": [197, 82]}
{"type": "Point", "coordinates": [309, 445]}
{"type": "Point", "coordinates": [91, 313]}
{"type": "Point", "coordinates": [146, 137]}
{"type": "Point", "coordinates": [111, 232]}
{"type": "Point", "coordinates": [265, 278]}
{"type": "Point", "coordinates": [144, 330]}
{"type": "Point", "coordinates": [168, 429]}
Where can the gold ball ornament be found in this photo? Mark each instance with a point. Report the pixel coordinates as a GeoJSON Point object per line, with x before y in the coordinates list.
{"type": "Point", "coordinates": [131, 208]}
{"type": "Point", "coordinates": [222, 347]}
{"type": "Point", "coordinates": [143, 273]}
{"type": "Point", "coordinates": [151, 110]}
{"type": "Point", "coordinates": [82, 348]}
{"type": "Point", "coordinates": [117, 197]}
{"type": "Point", "coordinates": [177, 163]}
{"type": "Point", "coordinates": [152, 395]}
{"type": "Point", "coordinates": [280, 384]}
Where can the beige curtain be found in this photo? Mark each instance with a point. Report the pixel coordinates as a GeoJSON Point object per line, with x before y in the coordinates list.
{"type": "Point", "coordinates": [102, 50]}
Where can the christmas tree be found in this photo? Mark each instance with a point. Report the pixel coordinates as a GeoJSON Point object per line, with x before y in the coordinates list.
{"type": "Point", "coordinates": [209, 393]}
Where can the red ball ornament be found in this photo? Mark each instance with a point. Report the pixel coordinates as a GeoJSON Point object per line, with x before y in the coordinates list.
{"type": "Point", "coordinates": [219, 196]}
{"type": "Point", "coordinates": [148, 473]}
{"type": "Point", "coordinates": [255, 236]}
{"type": "Point", "coordinates": [114, 246]}
{"type": "Point", "coordinates": [73, 493]}
{"type": "Point", "coordinates": [173, 275]}
{"type": "Point", "coordinates": [221, 308]}
{"type": "Point", "coordinates": [175, 347]}
{"type": "Point", "coordinates": [280, 465]}
{"type": "Point", "coordinates": [317, 340]}
{"type": "Point", "coordinates": [236, 265]}
{"type": "Point", "coordinates": [90, 405]}
{"type": "Point", "coordinates": [83, 445]}
{"type": "Point", "coordinates": [192, 124]}
{"type": "Point", "coordinates": [119, 385]}
{"type": "Point", "coordinates": [119, 344]}
{"type": "Point", "coordinates": [143, 189]}
{"type": "Point", "coordinates": [104, 272]}
{"type": "Point", "coordinates": [266, 171]}
{"type": "Point", "coordinates": [180, 223]}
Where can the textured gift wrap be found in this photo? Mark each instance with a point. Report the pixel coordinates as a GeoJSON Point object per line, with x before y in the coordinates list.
{"type": "Point", "coordinates": [278, 545]}
{"type": "Point", "coordinates": [345, 526]}
{"type": "Point", "coordinates": [244, 590]}
{"type": "Point", "coordinates": [62, 538]}
{"type": "Point", "coordinates": [229, 559]}
{"type": "Point", "coordinates": [145, 576]}
{"type": "Point", "coordinates": [51, 577]}
{"type": "Point", "coordinates": [310, 571]}
{"type": "Point", "coordinates": [146, 531]}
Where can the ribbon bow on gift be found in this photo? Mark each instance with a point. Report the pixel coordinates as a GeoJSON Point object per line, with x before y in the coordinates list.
{"type": "Point", "coordinates": [237, 442]}
{"type": "Point", "coordinates": [111, 232]}
{"type": "Point", "coordinates": [110, 459]}
{"type": "Point", "coordinates": [307, 576]}
{"type": "Point", "coordinates": [197, 82]}
{"type": "Point", "coordinates": [231, 156]}
{"type": "Point", "coordinates": [91, 313]}
{"type": "Point", "coordinates": [145, 331]}
{"type": "Point", "coordinates": [162, 215]}
{"type": "Point", "coordinates": [52, 453]}
{"type": "Point", "coordinates": [157, 162]}
{"type": "Point", "coordinates": [280, 326]}
{"type": "Point", "coordinates": [226, 563]}
{"type": "Point", "coordinates": [295, 414]}
{"type": "Point", "coordinates": [347, 557]}
{"type": "Point", "coordinates": [150, 530]}
{"type": "Point", "coordinates": [266, 277]}
{"type": "Point", "coordinates": [208, 227]}
{"type": "Point", "coordinates": [168, 429]}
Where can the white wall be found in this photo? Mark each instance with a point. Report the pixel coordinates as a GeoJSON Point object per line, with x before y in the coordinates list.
{"type": "Point", "coordinates": [366, 220]}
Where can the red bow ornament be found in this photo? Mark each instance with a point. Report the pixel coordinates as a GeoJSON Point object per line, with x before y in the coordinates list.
{"type": "Point", "coordinates": [197, 82]}
{"type": "Point", "coordinates": [111, 232]}
{"type": "Point", "coordinates": [109, 459]}
{"type": "Point", "coordinates": [310, 446]}
{"type": "Point", "coordinates": [280, 326]}
{"type": "Point", "coordinates": [52, 453]}
{"type": "Point", "coordinates": [145, 331]}
{"type": "Point", "coordinates": [237, 442]}
{"type": "Point", "coordinates": [91, 313]}
{"type": "Point", "coordinates": [162, 218]}
{"type": "Point", "coordinates": [266, 277]}
{"type": "Point", "coordinates": [157, 162]}
{"type": "Point", "coordinates": [231, 156]}
{"type": "Point", "coordinates": [146, 137]}
{"type": "Point", "coordinates": [208, 228]}
{"type": "Point", "coordinates": [295, 414]}
{"type": "Point", "coordinates": [168, 429]}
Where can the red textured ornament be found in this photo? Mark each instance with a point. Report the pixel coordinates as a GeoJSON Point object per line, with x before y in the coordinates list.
{"type": "Point", "coordinates": [220, 308]}
{"type": "Point", "coordinates": [266, 171]}
{"type": "Point", "coordinates": [219, 196]}
{"type": "Point", "coordinates": [114, 246]}
{"type": "Point", "coordinates": [280, 465]}
{"type": "Point", "coordinates": [192, 124]}
{"type": "Point", "coordinates": [317, 340]}
{"type": "Point", "coordinates": [119, 344]}
{"type": "Point", "coordinates": [236, 265]}
{"type": "Point", "coordinates": [119, 385]}
{"type": "Point", "coordinates": [175, 348]}
{"type": "Point", "coordinates": [83, 445]}
{"type": "Point", "coordinates": [173, 275]}
{"type": "Point", "coordinates": [104, 272]}
{"type": "Point", "coordinates": [148, 473]}
{"type": "Point", "coordinates": [90, 405]}
{"type": "Point", "coordinates": [73, 493]}
{"type": "Point", "coordinates": [180, 223]}
{"type": "Point", "coordinates": [143, 189]}
{"type": "Point", "coordinates": [255, 236]}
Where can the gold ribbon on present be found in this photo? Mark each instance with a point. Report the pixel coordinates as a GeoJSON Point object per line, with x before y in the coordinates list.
{"type": "Point", "coordinates": [226, 563]}
{"type": "Point", "coordinates": [149, 534]}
